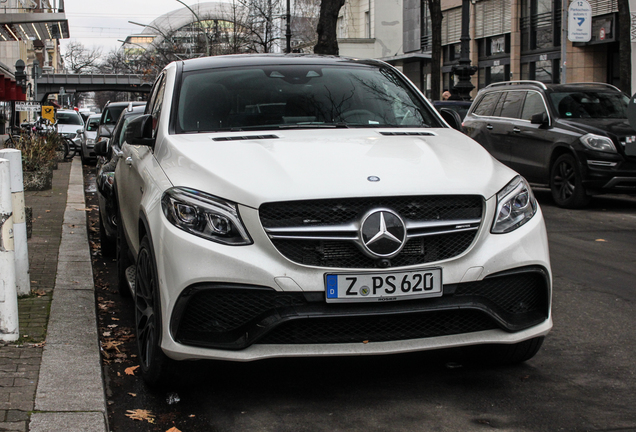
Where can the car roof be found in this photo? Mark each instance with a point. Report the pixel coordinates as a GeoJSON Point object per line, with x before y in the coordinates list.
{"type": "Point", "coordinates": [94, 116]}
{"type": "Point", "coordinates": [568, 87]}
{"type": "Point", "coordinates": [270, 59]}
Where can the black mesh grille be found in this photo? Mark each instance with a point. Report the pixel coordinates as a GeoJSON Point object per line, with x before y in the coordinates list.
{"type": "Point", "coordinates": [379, 328]}
{"type": "Point", "coordinates": [234, 318]}
{"type": "Point", "coordinates": [220, 311]}
{"type": "Point", "coordinates": [341, 211]}
{"type": "Point", "coordinates": [519, 293]}
{"type": "Point", "coordinates": [345, 254]}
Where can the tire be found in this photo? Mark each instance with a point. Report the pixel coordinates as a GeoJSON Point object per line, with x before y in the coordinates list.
{"type": "Point", "coordinates": [109, 247]}
{"type": "Point", "coordinates": [123, 260]}
{"type": "Point", "coordinates": [63, 148]}
{"type": "Point", "coordinates": [154, 363]}
{"type": "Point", "coordinates": [72, 149]}
{"type": "Point", "coordinates": [566, 183]}
{"type": "Point", "coordinates": [9, 143]}
{"type": "Point", "coordinates": [505, 354]}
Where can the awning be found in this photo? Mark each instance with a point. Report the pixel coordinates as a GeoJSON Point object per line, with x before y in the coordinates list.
{"type": "Point", "coordinates": [407, 58]}
{"type": "Point", "coordinates": [9, 90]}
{"type": "Point", "coordinates": [33, 26]}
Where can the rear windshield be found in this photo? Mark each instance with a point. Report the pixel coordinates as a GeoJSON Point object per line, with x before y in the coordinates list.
{"type": "Point", "coordinates": [292, 96]}
{"type": "Point", "coordinates": [92, 124]}
{"type": "Point", "coordinates": [590, 104]}
{"type": "Point", "coordinates": [69, 118]}
{"type": "Point", "coordinates": [111, 115]}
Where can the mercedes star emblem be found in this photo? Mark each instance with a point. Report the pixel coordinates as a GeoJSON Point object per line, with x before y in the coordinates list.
{"type": "Point", "coordinates": [383, 233]}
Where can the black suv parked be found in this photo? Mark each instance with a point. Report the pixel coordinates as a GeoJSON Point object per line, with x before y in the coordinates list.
{"type": "Point", "coordinates": [572, 137]}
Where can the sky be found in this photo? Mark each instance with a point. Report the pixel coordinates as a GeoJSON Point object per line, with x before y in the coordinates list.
{"type": "Point", "coordinates": [101, 23]}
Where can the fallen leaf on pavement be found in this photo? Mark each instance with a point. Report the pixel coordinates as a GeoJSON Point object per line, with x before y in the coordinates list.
{"type": "Point", "coordinates": [173, 429]}
{"type": "Point", "coordinates": [131, 370]}
{"type": "Point", "coordinates": [140, 414]}
{"type": "Point", "coordinates": [600, 240]}
{"type": "Point", "coordinates": [133, 394]}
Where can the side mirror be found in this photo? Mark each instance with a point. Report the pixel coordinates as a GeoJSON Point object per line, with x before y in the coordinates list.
{"type": "Point", "coordinates": [139, 131]}
{"type": "Point", "coordinates": [80, 131]}
{"type": "Point", "coordinates": [102, 148]}
{"type": "Point", "coordinates": [452, 118]}
{"type": "Point", "coordinates": [540, 119]}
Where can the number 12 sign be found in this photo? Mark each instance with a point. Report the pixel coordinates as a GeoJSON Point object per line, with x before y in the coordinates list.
{"type": "Point", "coordinates": [579, 21]}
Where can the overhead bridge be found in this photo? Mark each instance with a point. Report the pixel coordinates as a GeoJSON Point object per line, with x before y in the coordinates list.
{"type": "Point", "coordinates": [77, 83]}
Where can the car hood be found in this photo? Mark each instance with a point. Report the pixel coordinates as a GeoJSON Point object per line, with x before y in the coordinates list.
{"type": "Point", "coordinates": [601, 126]}
{"type": "Point", "coordinates": [314, 164]}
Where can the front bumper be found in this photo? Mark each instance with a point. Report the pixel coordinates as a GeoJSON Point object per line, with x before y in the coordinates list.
{"type": "Point", "coordinates": [605, 173]}
{"type": "Point", "coordinates": [296, 321]}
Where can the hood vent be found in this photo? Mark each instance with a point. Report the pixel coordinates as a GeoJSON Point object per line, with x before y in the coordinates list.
{"type": "Point", "coordinates": [245, 137]}
{"type": "Point", "coordinates": [408, 133]}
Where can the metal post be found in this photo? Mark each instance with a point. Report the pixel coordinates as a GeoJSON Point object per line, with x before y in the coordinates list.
{"type": "Point", "coordinates": [288, 33]}
{"type": "Point", "coordinates": [22, 279]}
{"type": "Point", "coordinates": [9, 330]}
{"type": "Point", "coordinates": [564, 40]}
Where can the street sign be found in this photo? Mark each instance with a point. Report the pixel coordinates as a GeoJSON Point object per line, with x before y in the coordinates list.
{"type": "Point", "coordinates": [48, 113]}
{"type": "Point", "coordinates": [580, 21]}
{"type": "Point", "coordinates": [27, 106]}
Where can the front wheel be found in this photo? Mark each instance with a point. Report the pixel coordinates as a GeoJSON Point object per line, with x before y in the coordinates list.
{"type": "Point", "coordinates": [72, 149]}
{"type": "Point", "coordinates": [154, 362]}
{"type": "Point", "coordinates": [566, 183]}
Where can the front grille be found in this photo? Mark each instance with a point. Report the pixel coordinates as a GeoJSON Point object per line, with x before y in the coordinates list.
{"type": "Point", "coordinates": [379, 328]}
{"type": "Point", "coordinates": [236, 317]}
{"type": "Point", "coordinates": [347, 253]}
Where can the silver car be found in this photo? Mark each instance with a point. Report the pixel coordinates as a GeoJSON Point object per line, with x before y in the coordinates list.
{"type": "Point", "coordinates": [89, 138]}
{"type": "Point", "coordinates": [70, 125]}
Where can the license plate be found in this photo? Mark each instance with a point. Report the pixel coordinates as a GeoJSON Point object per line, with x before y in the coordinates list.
{"type": "Point", "coordinates": [387, 286]}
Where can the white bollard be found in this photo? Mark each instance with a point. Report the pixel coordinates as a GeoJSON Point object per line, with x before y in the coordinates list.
{"type": "Point", "coordinates": [9, 330]}
{"type": "Point", "coordinates": [22, 278]}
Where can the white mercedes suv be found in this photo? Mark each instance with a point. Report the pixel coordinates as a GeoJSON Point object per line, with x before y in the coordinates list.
{"type": "Point", "coordinates": [299, 205]}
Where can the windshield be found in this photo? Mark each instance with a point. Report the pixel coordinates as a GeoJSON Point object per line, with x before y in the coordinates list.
{"type": "Point", "coordinates": [590, 104]}
{"type": "Point", "coordinates": [69, 118]}
{"type": "Point", "coordinates": [111, 114]}
{"type": "Point", "coordinates": [92, 124]}
{"type": "Point", "coordinates": [290, 96]}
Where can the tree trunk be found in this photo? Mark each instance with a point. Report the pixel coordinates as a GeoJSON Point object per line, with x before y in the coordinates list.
{"type": "Point", "coordinates": [327, 23]}
{"type": "Point", "coordinates": [435, 9]}
{"type": "Point", "coordinates": [625, 46]}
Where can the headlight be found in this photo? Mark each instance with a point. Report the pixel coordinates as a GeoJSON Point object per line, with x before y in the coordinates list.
{"type": "Point", "coordinates": [69, 135]}
{"type": "Point", "coordinates": [205, 216]}
{"type": "Point", "coordinates": [515, 206]}
{"type": "Point", "coordinates": [598, 143]}
{"type": "Point", "coordinates": [90, 141]}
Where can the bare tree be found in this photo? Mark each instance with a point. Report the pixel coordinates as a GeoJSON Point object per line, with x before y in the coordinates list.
{"type": "Point", "coordinates": [327, 23]}
{"type": "Point", "coordinates": [79, 59]}
{"type": "Point", "coordinates": [435, 10]}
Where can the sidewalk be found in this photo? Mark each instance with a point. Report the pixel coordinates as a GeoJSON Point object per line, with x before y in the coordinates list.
{"type": "Point", "coordinates": [51, 379]}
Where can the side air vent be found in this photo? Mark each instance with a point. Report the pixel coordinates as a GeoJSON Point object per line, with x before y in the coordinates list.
{"type": "Point", "coordinates": [408, 133]}
{"type": "Point", "coordinates": [245, 137]}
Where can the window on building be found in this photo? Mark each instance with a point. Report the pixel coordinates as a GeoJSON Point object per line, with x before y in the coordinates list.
{"type": "Point", "coordinates": [367, 24]}
{"type": "Point", "coordinates": [540, 24]}
{"type": "Point", "coordinates": [426, 32]}
{"type": "Point", "coordinates": [493, 74]}
{"type": "Point", "coordinates": [546, 71]}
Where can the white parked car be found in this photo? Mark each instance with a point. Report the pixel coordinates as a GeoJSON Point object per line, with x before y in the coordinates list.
{"type": "Point", "coordinates": [70, 125]}
{"type": "Point", "coordinates": [299, 205]}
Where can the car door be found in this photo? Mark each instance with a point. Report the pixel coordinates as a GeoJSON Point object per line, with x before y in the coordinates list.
{"type": "Point", "coordinates": [532, 144]}
{"type": "Point", "coordinates": [487, 128]}
{"type": "Point", "coordinates": [133, 170]}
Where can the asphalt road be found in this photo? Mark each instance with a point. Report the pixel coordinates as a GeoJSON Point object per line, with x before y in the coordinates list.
{"type": "Point", "coordinates": [583, 379]}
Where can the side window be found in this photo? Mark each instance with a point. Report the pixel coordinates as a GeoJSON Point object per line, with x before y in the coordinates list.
{"type": "Point", "coordinates": [533, 105]}
{"type": "Point", "coordinates": [487, 104]}
{"type": "Point", "coordinates": [510, 105]}
{"type": "Point", "coordinates": [156, 102]}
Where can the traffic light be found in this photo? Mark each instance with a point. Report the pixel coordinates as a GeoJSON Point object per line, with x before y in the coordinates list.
{"type": "Point", "coordinates": [20, 75]}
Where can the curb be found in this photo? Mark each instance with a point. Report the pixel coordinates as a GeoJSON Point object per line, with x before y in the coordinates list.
{"type": "Point", "coordinates": [70, 392]}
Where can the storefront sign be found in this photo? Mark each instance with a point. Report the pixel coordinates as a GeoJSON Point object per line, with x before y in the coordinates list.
{"type": "Point", "coordinates": [27, 106]}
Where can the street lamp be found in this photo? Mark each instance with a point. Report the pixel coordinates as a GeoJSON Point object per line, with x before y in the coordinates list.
{"type": "Point", "coordinates": [464, 70]}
